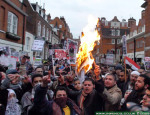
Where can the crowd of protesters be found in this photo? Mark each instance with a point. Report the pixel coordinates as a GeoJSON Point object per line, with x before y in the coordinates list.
{"type": "Point", "coordinates": [104, 89]}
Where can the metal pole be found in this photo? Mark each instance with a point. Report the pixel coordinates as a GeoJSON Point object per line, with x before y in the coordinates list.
{"type": "Point", "coordinates": [134, 49]}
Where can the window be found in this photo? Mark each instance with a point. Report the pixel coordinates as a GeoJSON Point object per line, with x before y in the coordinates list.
{"type": "Point", "coordinates": [39, 28]}
{"type": "Point", "coordinates": [113, 41]}
{"type": "Point", "coordinates": [123, 24]}
{"type": "Point", "coordinates": [50, 35]}
{"type": "Point", "coordinates": [118, 51]}
{"type": "Point", "coordinates": [28, 43]}
{"type": "Point", "coordinates": [113, 32]}
{"type": "Point", "coordinates": [117, 32]}
{"type": "Point", "coordinates": [47, 33]}
{"type": "Point", "coordinates": [131, 46]}
{"type": "Point", "coordinates": [43, 31]}
{"type": "Point", "coordinates": [137, 44]}
{"type": "Point", "coordinates": [106, 23]}
{"type": "Point", "coordinates": [118, 41]}
{"type": "Point", "coordinates": [97, 51]}
{"type": "Point", "coordinates": [141, 44]}
{"type": "Point", "coordinates": [12, 23]}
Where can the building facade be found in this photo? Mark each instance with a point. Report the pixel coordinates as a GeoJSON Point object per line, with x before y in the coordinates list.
{"type": "Point", "coordinates": [111, 33]}
{"type": "Point", "coordinates": [12, 24]}
{"type": "Point", "coordinates": [37, 28]}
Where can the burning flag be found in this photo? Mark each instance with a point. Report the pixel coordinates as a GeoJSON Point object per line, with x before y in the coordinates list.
{"type": "Point", "coordinates": [89, 37]}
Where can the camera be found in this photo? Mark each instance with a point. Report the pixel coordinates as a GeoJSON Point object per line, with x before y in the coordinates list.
{"type": "Point", "coordinates": [135, 107]}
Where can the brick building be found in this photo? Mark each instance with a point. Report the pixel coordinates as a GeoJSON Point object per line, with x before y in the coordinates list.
{"type": "Point", "coordinates": [136, 39]}
{"type": "Point", "coordinates": [12, 24]}
{"type": "Point", "coordinates": [111, 34]}
{"type": "Point", "coordinates": [38, 27]}
{"type": "Point", "coordinates": [146, 5]}
{"type": "Point", "coordinates": [61, 28]}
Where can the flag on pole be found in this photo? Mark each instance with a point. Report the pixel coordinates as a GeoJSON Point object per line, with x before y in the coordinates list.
{"type": "Point", "coordinates": [131, 63]}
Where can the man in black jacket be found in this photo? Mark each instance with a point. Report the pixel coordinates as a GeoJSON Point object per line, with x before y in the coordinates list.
{"type": "Point", "coordinates": [89, 99]}
{"type": "Point", "coordinates": [61, 105]}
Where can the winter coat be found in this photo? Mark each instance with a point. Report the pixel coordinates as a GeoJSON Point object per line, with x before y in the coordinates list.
{"type": "Point", "coordinates": [112, 98]}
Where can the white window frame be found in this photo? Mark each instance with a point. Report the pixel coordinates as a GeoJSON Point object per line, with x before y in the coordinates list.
{"type": "Point", "coordinates": [43, 31]}
{"type": "Point", "coordinates": [118, 41]}
{"type": "Point", "coordinates": [97, 51]}
{"type": "Point", "coordinates": [117, 32]}
{"type": "Point", "coordinates": [12, 23]}
{"type": "Point", "coordinates": [47, 33]}
{"type": "Point", "coordinates": [39, 28]}
{"type": "Point", "coordinates": [113, 32]}
{"type": "Point", "coordinates": [28, 43]}
{"type": "Point", "coordinates": [113, 41]}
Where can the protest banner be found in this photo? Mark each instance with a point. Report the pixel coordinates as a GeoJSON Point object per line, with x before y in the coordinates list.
{"type": "Point", "coordinates": [147, 63]}
{"type": "Point", "coordinates": [37, 62]}
{"type": "Point", "coordinates": [109, 59]}
{"type": "Point", "coordinates": [8, 61]}
{"type": "Point", "coordinates": [124, 44]}
{"type": "Point", "coordinates": [72, 47]}
{"type": "Point", "coordinates": [38, 45]}
{"type": "Point", "coordinates": [60, 62]}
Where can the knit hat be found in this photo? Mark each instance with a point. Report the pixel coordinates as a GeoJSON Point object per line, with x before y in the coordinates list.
{"type": "Point", "coordinates": [135, 72]}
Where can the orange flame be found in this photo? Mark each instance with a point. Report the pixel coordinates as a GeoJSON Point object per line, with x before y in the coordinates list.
{"type": "Point", "coordinates": [84, 60]}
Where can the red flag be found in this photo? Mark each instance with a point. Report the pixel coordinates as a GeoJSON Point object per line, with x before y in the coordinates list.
{"type": "Point", "coordinates": [131, 63]}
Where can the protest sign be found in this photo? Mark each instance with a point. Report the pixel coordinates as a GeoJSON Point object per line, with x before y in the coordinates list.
{"type": "Point", "coordinates": [60, 62]}
{"type": "Point", "coordinates": [147, 63]}
{"type": "Point", "coordinates": [110, 59]}
{"type": "Point", "coordinates": [72, 47]}
{"type": "Point", "coordinates": [38, 45]}
{"type": "Point", "coordinates": [37, 62]}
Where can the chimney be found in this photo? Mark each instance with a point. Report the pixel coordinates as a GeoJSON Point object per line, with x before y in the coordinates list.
{"type": "Point", "coordinates": [131, 22]}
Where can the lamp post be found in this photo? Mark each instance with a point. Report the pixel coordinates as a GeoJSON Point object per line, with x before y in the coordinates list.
{"type": "Point", "coordinates": [134, 49]}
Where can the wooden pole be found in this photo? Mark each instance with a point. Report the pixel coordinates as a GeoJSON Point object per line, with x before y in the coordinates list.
{"type": "Point", "coordinates": [125, 69]}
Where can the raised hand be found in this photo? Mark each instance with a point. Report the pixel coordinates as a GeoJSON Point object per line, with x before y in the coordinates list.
{"type": "Point", "coordinates": [61, 79]}
{"type": "Point", "coordinates": [46, 80]}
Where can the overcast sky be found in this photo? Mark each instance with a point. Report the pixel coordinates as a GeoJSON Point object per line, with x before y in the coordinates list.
{"type": "Point", "coordinates": [76, 11]}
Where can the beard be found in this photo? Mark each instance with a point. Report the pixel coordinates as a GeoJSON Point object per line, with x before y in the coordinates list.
{"type": "Point", "coordinates": [140, 89]}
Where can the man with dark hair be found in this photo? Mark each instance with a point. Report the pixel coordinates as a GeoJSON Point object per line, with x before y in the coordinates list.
{"type": "Point", "coordinates": [39, 70]}
{"type": "Point", "coordinates": [121, 83]}
{"type": "Point", "coordinates": [89, 99]}
{"type": "Point", "coordinates": [137, 94]}
{"type": "Point", "coordinates": [112, 94]}
{"type": "Point", "coordinates": [61, 105]}
{"type": "Point", "coordinates": [28, 97]}
{"type": "Point", "coordinates": [118, 68]}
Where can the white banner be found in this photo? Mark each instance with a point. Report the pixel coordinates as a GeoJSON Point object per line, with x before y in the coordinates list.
{"type": "Point", "coordinates": [110, 59]}
{"type": "Point", "coordinates": [124, 44]}
{"type": "Point", "coordinates": [37, 45]}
